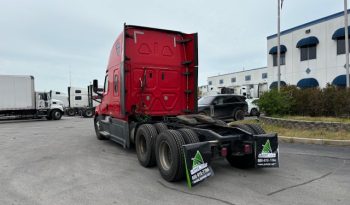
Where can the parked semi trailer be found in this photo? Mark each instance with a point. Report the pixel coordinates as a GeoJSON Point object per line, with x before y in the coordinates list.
{"type": "Point", "coordinates": [18, 99]}
{"type": "Point", "coordinates": [150, 100]}
{"type": "Point", "coordinates": [81, 101]}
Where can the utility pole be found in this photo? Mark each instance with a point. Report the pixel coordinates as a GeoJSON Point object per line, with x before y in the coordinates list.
{"type": "Point", "coordinates": [346, 42]}
{"type": "Point", "coordinates": [279, 45]}
{"type": "Point", "coordinates": [70, 77]}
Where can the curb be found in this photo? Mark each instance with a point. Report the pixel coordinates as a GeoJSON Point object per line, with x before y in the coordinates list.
{"type": "Point", "coordinates": [304, 124]}
{"type": "Point", "coordinates": [314, 141]}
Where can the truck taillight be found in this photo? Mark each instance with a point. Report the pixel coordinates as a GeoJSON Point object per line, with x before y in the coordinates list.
{"type": "Point", "coordinates": [247, 149]}
{"type": "Point", "coordinates": [224, 151]}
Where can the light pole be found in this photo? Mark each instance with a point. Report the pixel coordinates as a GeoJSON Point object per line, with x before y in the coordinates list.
{"type": "Point", "coordinates": [346, 42]}
{"type": "Point", "coordinates": [279, 46]}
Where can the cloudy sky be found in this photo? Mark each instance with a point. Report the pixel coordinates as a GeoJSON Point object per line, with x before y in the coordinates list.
{"type": "Point", "coordinates": [50, 39]}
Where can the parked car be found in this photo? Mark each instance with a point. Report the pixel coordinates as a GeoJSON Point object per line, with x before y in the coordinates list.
{"type": "Point", "coordinates": [253, 109]}
{"type": "Point", "coordinates": [223, 106]}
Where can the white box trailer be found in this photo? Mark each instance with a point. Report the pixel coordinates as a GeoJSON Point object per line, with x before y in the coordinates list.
{"type": "Point", "coordinates": [18, 99]}
{"type": "Point", "coordinates": [17, 92]}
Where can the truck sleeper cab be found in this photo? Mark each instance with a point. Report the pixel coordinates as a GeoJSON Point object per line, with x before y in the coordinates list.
{"type": "Point", "coordinates": [150, 100]}
{"type": "Point", "coordinates": [81, 101]}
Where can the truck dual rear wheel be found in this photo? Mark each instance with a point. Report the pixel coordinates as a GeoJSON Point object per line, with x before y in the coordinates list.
{"type": "Point", "coordinates": [160, 127]}
{"type": "Point", "coordinates": [245, 128]}
{"type": "Point", "coordinates": [169, 155]}
{"type": "Point", "coordinates": [258, 130]}
{"type": "Point", "coordinates": [145, 141]}
{"type": "Point", "coordinates": [221, 123]}
{"type": "Point", "coordinates": [88, 113]}
{"type": "Point", "coordinates": [70, 112]}
{"type": "Point", "coordinates": [189, 135]}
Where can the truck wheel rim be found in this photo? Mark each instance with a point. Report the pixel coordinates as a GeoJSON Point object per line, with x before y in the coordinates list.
{"type": "Point", "coordinates": [142, 145]}
{"type": "Point", "coordinates": [165, 155]}
{"type": "Point", "coordinates": [57, 114]}
{"type": "Point", "coordinates": [89, 113]}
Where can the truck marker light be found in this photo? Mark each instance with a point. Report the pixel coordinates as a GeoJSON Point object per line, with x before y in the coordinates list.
{"type": "Point", "coordinates": [224, 151]}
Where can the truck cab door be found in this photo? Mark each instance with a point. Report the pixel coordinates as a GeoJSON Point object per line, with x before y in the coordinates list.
{"type": "Point", "coordinates": [115, 95]}
{"type": "Point", "coordinates": [42, 101]}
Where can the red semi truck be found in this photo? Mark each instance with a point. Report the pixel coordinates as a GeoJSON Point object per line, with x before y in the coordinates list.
{"type": "Point", "coordinates": [150, 101]}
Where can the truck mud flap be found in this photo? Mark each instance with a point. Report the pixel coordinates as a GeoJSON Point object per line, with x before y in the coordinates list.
{"type": "Point", "coordinates": [197, 162]}
{"type": "Point", "coordinates": [266, 151]}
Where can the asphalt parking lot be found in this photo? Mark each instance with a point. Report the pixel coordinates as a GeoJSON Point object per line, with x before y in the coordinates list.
{"type": "Point", "coordinates": [62, 162]}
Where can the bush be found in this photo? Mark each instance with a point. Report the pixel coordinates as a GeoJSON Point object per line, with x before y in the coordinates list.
{"type": "Point", "coordinates": [275, 103]}
{"type": "Point", "coordinates": [330, 101]}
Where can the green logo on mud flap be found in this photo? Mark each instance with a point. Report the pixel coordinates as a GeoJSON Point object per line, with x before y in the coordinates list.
{"type": "Point", "coordinates": [197, 160]}
{"type": "Point", "coordinates": [266, 148]}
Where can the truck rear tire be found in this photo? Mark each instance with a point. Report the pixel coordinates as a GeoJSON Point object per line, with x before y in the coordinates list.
{"type": "Point", "coordinates": [189, 135]}
{"type": "Point", "coordinates": [221, 123]}
{"type": "Point", "coordinates": [70, 112]}
{"type": "Point", "coordinates": [145, 142]}
{"type": "Point", "coordinates": [160, 127]}
{"type": "Point", "coordinates": [245, 128]}
{"type": "Point", "coordinates": [169, 155]}
{"type": "Point", "coordinates": [56, 114]}
{"type": "Point", "coordinates": [88, 113]}
{"type": "Point", "coordinates": [258, 130]}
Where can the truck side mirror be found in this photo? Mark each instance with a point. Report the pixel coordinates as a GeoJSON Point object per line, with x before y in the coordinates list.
{"type": "Point", "coordinates": [95, 85]}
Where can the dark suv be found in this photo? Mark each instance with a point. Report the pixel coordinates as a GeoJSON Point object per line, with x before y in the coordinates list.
{"type": "Point", "coordinates": [225, 106]}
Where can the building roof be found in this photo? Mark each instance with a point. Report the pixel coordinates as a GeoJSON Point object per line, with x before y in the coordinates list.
{"type": "Point", "coordinates": [311, 23]}
{"type": "Point", "coordinates": [237, 72]}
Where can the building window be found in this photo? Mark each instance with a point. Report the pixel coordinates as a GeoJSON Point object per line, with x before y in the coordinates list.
{"type": "Point", "coordinates": [308, 53]}
{"type": "Point", "coordinates": [58, 93]}
{"type": "Point", "coordinates": [210, 83]}
{"type": "Point", "coordinates": [341, 46]}
{"type": "Point", "coordinates": [221, 81]}
{"type": "Point", "coordinates": [282, 59]}
{"type": "Point", "coordinates": [233, 80]}
{"type": "Point", "coordinates": [248, 77]}
{"type": "Point", "coordinates": [264, 75]}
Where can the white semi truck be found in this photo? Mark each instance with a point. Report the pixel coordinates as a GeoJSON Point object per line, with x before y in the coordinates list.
{"type": "Point", "coordinates": [18, 99]}
{"type": "Point", "coordinates": [81, 101]}
{"type": "Point", "coordinates": [61, 98]}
